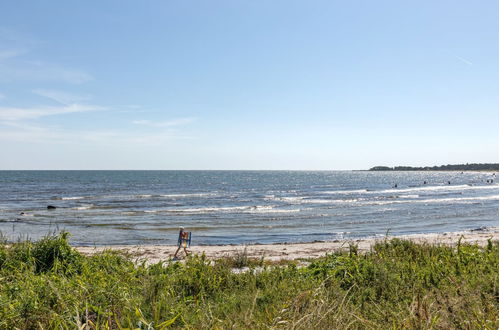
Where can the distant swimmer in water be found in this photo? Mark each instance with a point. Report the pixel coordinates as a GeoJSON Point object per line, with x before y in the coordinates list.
{"type": "Point", "coordinates": [396, 185]}
{"type": "Point", "coordinates": [425, 182]}
{"type": "Point", "coordinates": [448, 182]}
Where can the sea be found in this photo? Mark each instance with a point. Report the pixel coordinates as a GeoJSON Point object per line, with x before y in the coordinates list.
{"type": "Point", "coordinates": [242, 207]}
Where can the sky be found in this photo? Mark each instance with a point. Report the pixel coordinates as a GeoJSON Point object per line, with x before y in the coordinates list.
{"type": "Point", "coordinates": [247, 84]}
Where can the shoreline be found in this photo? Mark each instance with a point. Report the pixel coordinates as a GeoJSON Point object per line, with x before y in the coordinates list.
{"type": "Point", "coordinates": [292, 251]}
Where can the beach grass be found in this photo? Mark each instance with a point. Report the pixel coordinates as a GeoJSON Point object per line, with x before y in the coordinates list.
{"type": "Point", "coordinates": [398, 284]}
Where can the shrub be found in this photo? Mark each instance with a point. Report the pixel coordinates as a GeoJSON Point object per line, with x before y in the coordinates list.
{"type": "Point", "coordinates": [53, 253]}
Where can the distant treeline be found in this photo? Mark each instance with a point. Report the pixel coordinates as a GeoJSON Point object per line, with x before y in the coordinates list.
{"type": "Point", "coordinates": [458, 167]}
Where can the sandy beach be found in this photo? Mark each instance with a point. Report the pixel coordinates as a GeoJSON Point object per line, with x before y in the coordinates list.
{"type": "Point", "coordinates": [293, 251]}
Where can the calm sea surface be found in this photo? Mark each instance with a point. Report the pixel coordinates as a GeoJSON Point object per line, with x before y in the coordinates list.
{"type": "Point", "coordinates": [226, 207]}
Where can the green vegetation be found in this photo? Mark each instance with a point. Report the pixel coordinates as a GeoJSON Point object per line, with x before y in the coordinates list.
{"type": "Point", "coordinates": [399, 284]}
{"type": "Point", "coordinates": [458, 167]}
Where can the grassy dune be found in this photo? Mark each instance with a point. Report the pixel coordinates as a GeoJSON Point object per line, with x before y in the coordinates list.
{"type": "Point", "coordinates": [399, 284]}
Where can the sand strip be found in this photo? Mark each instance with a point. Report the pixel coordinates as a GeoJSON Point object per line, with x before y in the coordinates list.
{"type": "Point", "coordinates": [292, 251]}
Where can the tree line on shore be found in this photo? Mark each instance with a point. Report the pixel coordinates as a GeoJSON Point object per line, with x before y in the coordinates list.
{"type": "Point", "coordinates": [457, 167]}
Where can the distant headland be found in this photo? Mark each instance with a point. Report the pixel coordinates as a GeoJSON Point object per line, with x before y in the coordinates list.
{"type": "Point", "coordinates": [458, 167]}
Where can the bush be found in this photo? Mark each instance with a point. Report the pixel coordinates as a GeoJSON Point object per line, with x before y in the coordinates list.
{"type": "Point", "coordinates": [51, 253]}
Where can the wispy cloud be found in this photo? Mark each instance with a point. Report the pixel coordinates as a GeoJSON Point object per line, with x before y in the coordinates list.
{"type": "Point", "coordinates": [10, 53]}
{"type": "Point", "coordinates": [12, 114]}
{"type": "Point", "coordinates": [111, 137]}
{"type": "Point", "coordinates": [18, 62]}
{"type": "Point", "coordinates": [39, 71]}
{"type": "Point", "coordinates": [167, 123]}
{"type": "Point", "coordinates": [62, 97]}
{"type": "Point", "coordinates": [462, 59]}
{"type": "Point", "coordinates": [19, 124]}
{"type": "Point", "coordinates": [22, 132]}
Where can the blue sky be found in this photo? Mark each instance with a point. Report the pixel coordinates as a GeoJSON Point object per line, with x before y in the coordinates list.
{"type": "Point", "coordinates": [247, 84]}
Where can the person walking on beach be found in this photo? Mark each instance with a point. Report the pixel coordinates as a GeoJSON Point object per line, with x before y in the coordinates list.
{"type": "Point", "coordinates": [184, 240]}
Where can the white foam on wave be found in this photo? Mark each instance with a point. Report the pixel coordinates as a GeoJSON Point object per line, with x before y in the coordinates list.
{"type": "Point", "coordinates": [340, 234]}
{"type": "Point", "coordinates": [237, 209]}
{"type": "Point", "coordinates": [344, 192]}
{"type": "Point", "coordinates": [197, 210]}
{"type": "Point", "coordinates": [331, 201]}
{"type": "Point", "coordinates": [433, 188]}
{"type": "Point", "coordinates": [264, 209]}
{"type": "Point", "coordinates": [410, 189]}
{"type": "Point", "coordinates": [143, 196]}
{"type": "Point", "coordinates": [137, 196]}
{"type": "Point", "coordinates": [83, 207]}
{"type": "Point", "coordinates": [458, 200]}
{"type": "Point", "coordinates": [210, 209]}
{"type": "Point", "coordinates": [188, 195]}
{"type": "Point", "coordinates": [461, 199]}
{"type": "Point", "coordinates": [290, 200]}
{"type": "Point", "coordinates": [303, 200]}
{"type": "Point", "coordinates": [387, 200]}
{"type": "Point", "coordinates": [407, 196]}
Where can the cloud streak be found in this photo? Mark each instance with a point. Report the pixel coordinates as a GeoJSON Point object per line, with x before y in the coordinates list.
{"type": "Point", "coordinates": [17, 63]}
{"type": "Point", "coordinates": [61, 97]}
{"type": "Point", "coordinates": [20, 125]}
{"type": "Point", "coordinates": [38, 71]}
{"type": "Point", "coordinates": [164, 124]}
{"type": "Point", "coordinates": [20, 132]}
{"type": "Point", "coordinates": [13, 114]}
{"type": "Point", "coordinates": [10, 53]}
{"type": "Point", "coordinates": [462, 59]}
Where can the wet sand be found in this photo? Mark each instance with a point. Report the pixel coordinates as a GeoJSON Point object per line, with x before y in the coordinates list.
{"type": "Point", "coordinates": [292, 251]}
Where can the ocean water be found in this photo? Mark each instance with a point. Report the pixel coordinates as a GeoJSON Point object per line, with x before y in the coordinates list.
{"type": "Point", "coordinates": [235, 207]}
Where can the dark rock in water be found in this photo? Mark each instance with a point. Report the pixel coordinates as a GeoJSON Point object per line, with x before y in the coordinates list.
{"type": "Point", "coordinates": [483, 228]}
{"type": "Point", "coordinates": [51, 207]}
